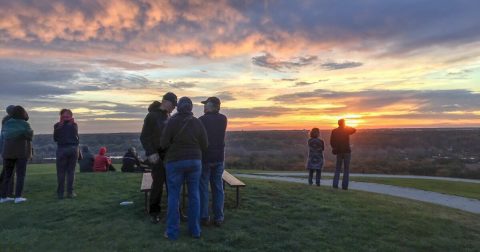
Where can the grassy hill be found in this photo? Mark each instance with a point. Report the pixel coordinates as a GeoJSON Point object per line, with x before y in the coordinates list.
{"type": "Point", "coordinates": [273, 216]}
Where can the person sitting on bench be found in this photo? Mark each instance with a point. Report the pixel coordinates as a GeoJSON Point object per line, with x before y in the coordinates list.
{"type": "Point", "coordinates": [131, 162]}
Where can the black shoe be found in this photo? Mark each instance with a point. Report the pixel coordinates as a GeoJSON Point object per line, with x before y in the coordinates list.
{"type": "Point", "coordinates": [155, 219]}
{"type": "Point", "coordinates": [335, 187]}
{"type": "Point", "coordinates": [344, 188]}
{"type": "Point", "coordinates": [71, 195]}
{"type": "Point", "coordinates": [205, 222]}
{"type": "Point", "coordinates": [318, 184]}
{"type": "Point", "coordinates": [218, 223]}
{"type": "Point", "coordinates": [60, 196]}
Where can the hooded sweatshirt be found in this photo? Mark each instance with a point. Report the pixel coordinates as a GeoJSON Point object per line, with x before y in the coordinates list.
{"type": "Point", "coordinates": [102, 162]}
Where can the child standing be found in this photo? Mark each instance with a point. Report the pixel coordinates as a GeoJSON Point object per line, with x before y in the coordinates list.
{"type": "Point", "coordinates": [316, 147]}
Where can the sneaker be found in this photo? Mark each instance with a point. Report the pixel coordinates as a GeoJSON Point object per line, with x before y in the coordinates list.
{"type": "Point", "coordinates": [218, 223]}
{"type": "Point", "coordinates": [20, 200]}
{"type": "Point", "coordinates": [5, 200]}
{"type": "Point", "coordinates": [71, 195]}
{"type": "Point", "coordinates": [155, 219]}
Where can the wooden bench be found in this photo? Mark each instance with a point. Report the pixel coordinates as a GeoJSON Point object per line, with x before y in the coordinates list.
{"type": "Point", "coordinates": [228, 178]}
{"type": "Point", "coordinates": [232, 181]}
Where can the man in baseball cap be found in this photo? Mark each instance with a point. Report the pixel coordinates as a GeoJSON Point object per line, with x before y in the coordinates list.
{"type": "Point", "coordinates": [213, 162]}
{"type": "Point", "coordinates": [150, 138]}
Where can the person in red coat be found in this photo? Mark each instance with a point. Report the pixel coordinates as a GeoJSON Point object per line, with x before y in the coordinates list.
{"type": "Point", "coordinates": [102, 163]}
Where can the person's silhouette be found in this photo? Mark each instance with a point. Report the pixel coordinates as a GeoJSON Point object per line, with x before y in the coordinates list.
{"type": "Point", "coordinates": [340, 142]}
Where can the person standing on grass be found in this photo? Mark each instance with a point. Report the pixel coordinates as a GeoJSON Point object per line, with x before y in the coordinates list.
{"type": "Point", "coordinates": [17, 151]}
{"type": "Point", "coordinates": [158, 114]}
{"type": "Point", "coordinates": [9, 111]}
{"type": "Point", "coordinates": [316, 146]}
{"type": "Point", "coordinates": [340, 142]}
{"type": "Point", "coordinates": [86, 163]}
{"type": "Point", "coordinates": [102, 162]}
{"type": "Point", "coordinates": [65, 134]}
{"type": "Point", "coordinates": [213, 161]}
{"type": "Point", "coordinates": [185, 138]}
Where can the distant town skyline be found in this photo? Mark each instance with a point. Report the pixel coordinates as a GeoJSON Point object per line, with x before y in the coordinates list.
{"type": "Point", "coordinates": [274, 64]}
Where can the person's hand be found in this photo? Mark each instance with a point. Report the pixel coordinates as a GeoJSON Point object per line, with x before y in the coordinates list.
{"type": "Point", "coordinates": [154, 158]}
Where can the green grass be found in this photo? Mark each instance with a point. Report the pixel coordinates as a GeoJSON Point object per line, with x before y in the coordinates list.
{"type": "Point", "coordinates": [273, 216]}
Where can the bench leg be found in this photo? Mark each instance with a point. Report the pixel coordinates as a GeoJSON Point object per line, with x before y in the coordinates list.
{"type": "Point", "coordinates": [238, 197]}
{"type": "Point", "coordinates": [183, 196]}
{"type": "Point", "coordinates": [146, 202]}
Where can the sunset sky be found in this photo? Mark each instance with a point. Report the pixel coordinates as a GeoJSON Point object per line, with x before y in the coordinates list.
{"type": "Point", "coordinates": [274, 64]}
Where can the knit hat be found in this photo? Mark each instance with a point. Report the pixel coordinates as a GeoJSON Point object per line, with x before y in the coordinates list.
{"type": "Point", "coordinates": [185, 105]}
{"type": "Point", "coordinates": [10, 109]}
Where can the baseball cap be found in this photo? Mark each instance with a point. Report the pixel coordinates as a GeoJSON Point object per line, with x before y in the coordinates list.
{"type": "Point", "coordinates": [213, 100]}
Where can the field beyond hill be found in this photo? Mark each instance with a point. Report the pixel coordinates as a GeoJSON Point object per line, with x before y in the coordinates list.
{"type": "Point", "coordinates": [430, 152]}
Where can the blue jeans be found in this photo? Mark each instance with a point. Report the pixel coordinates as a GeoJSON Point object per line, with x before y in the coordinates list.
{"type": "Point", "coordinates": [342, 158]}
{"type": "Point", "coordinates": [177, 172]}
{"type": "Point", "coordinates": [212, 172]}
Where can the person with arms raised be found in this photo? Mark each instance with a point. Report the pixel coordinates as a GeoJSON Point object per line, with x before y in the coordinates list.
{"type": "Point", "coordinates": [340, 142]}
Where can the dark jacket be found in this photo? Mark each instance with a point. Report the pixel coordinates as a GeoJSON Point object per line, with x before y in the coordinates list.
{"type": "Point", "coordinates": [215, 124]}
{"type": "Point", "coordinates": [315, 153]}
{"type": "Point", "coordinates": [186, 145]}
{"type": "Point", "coordinates": [152, 131]}
{"type": "Point", "coordinates": [17, 143]}
{"type": "Point", "coordinates": [5, 119]}
{"type": "Point", "coordinates": [86, 163]}
{"type": "Point", "coordinates": [66, 134]}
{"type": "Point", "coordinates": [129, 162]}
{"type": "Point", "coordinates": [340, 140]}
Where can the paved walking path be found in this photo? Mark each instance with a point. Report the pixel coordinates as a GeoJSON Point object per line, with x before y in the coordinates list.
{"type": "Point", "coordinates": [462, 203]}
{"type": "Point", "coordinates": [303, 174]}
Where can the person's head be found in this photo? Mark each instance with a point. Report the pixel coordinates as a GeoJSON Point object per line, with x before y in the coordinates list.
{"type": "Point", "coordinates": [102, 151]}
{"type": "Point", "coordinates": [154, 106]}
{"type": "Point", "coordinates": [9, 109]}
{"type": "Point", "coordinates": [66, 115]}
{"type": "Point", "coordinates": [212, 104]}
{"type": "Point", "coordinates": [185, 105]}
{"type": "Point", "coordinates": [169, 102]}
{"type": "Point", "coordinates": [341, 123]}
{"type": "Point", "coordinates": [19, 112]}
{"type": "Point", "coordinates": [132, 150]}
{"type": "Point", "coordinates": [314, 133]}
{"type": "Point", "coordinates": [85, 149]}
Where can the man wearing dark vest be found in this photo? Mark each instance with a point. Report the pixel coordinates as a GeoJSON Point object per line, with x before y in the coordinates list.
{"type": "Point", "coordinates": [213, 162]}
{"type": "Point", "coordinates": [150, 137]}
{"type": "Point", "coordinates": [340, 142]}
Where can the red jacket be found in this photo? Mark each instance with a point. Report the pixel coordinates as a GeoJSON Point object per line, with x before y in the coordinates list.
{"type": "Point", "coordinates": [101, 162]}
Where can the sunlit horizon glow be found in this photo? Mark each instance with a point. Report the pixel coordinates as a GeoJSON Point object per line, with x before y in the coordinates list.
{"type": "Point", "coordinates": [276, 65]}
